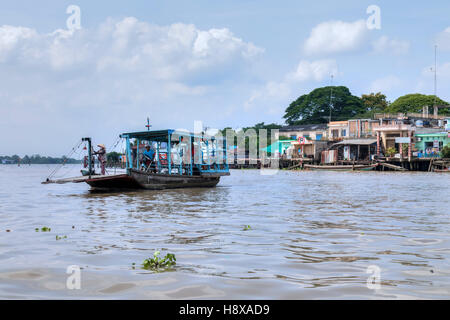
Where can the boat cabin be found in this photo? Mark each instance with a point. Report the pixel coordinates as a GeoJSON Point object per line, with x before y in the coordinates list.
{"type": "Point", "coordinates": [172, 152]}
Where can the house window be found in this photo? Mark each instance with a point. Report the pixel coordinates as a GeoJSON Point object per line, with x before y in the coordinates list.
{"type": "Point", "coordinates": [335, 133]}
{"type": "Point", "coordinates": [319, 136]}
{"type": "Point", "coordinates": [343, 132]}
{"type": "Point", "coordinates": [293, 137]}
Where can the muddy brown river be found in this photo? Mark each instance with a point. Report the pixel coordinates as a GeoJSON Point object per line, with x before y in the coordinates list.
{"type": "Point", "coordinates": [312, 235]}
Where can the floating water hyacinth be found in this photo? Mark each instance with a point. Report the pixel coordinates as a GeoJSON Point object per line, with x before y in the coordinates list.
{"type": "Point", "coordinates": [246, 228]}
{"type": "Point", "coordinates": [156, 262]}
{"type": "Point", "coordinates": [43, 229]}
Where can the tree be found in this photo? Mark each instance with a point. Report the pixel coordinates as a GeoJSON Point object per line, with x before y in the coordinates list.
{"type": "Point", "coordinates": [445, 153]}
{"type": "Point", "coordinates": [113, 157]}
{"type": "Point", "coordinates": [315, 106]}
{"type": "Point", "coordinates": [415, 102]}
{"type": "Point", "coordinates": [374, 103]}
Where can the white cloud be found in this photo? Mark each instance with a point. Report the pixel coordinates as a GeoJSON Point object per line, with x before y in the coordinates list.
{"type": "Point", "coordinates": [336, 36]}
{"type": "Point", "coordinates": [11, 37]}
{"type": "Point", "coordinates": [390, 46]}
{"type": "Point", "coordinates": [127, 45]}
{"type": "Point", "coordinates": [385, 84]}
{"type": "Point", "coordinates": [443, 70]}
{"type": "Point", "coordinates": [425, 82]}
{"type": "Point", "coordinates": [274, 96]}
{"type": "Point", "coordinates": [100, 81]}
{"type": "Point", "coordinates": [270, 93]}
{"type": "Point", "coordinates": [443, 39]}
{"type": "Point", "coordinates": [314, 70]}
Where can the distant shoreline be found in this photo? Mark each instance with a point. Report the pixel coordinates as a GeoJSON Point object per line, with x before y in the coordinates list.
{"type": "Point", "coordinates": [36, 159]}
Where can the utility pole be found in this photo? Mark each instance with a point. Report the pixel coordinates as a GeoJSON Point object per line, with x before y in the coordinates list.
{"type": "Point", "coordinates": [331, 95]}
{"type": "Point", "coordinates": [89, 141]}
{"type": "Point", "coordinates": [435, 75]}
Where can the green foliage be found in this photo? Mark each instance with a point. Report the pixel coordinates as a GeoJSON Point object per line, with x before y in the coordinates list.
{"type": "Point", "coordinates": [246, 228]}
{"type": "Point", "coordinates": [390, 152]}
{"type": "Point", "coordinates": [445, 152]}
{"type": "Point", "coordinates": [61, 237]}
{"type": "Point", "coordinates": [374, 103]}
{"type": "Point", "coordinates": [37, 159]}
{"type": "Point", "coordinates": [113, 157]}
{"type": "Point", "coordinates": [43, 229]}
{"type": "Point", "coordinates": [415, 102]}
{"type": "Point", "coordinates": [405, 147]}
{"type": "Point", "coordinates": [315, 107]}
{"type": "Point", "coordinates": [156, 262]}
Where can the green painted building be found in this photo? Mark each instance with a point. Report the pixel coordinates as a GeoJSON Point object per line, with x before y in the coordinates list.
{"type": "Point", "coordinates": [279, 146]}
{"type": "Point", "coordinates": [431, 144]}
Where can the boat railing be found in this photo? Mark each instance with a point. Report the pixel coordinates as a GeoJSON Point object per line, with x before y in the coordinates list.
{"type": "Point", "coordinates": [176, 153]}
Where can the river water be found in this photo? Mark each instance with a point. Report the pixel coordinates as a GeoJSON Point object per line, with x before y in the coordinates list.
{"type": "Point", "coordinates": [312, 235]}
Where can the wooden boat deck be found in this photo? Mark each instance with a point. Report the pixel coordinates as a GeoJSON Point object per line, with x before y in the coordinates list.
{"type": "Point", "coordinates": [85, 178]}
{"type": "Point", "coordinates": [392, 166]}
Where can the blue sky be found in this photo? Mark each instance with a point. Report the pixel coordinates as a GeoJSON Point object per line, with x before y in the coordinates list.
{"type": "Point", "coordinates": [225, 63]}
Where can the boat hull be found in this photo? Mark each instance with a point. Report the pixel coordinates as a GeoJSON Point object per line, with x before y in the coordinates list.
{"type": "Point", "coordinates": [154, 181]}
{"type": "Point", "coordinates": [113, 182]}
{"type": "Point", "coordinates": [136, 179]}
{"type": "Point", "coordinates": [442, 170]}
{"type": "Point", "coordinates": [342, 168]}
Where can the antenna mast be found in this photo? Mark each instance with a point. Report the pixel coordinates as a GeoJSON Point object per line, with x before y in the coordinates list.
{"type": "Point", "coordinates": [435, 74]}
{"type": "Point", "coordinates": [331, 95]}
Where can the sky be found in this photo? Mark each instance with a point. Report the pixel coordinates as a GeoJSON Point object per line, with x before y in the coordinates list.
{"type": "Point", "coordinates": [226, 63]}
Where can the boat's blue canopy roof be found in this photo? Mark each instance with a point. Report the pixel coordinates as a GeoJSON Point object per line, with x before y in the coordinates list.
{"type": "Point", "coordinates": [159, 135]}
{"type": "Point", "coordinates": [154, 135]}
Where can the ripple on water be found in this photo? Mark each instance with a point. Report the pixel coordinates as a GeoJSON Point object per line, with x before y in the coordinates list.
{"type": "Point", "coordinates": [312, 235]}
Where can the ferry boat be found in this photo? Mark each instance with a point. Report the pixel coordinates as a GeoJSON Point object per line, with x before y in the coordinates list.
{"type": "Point", "coordinates": [180, 160]}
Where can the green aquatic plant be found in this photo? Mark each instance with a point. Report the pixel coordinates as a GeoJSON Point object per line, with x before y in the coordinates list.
{"type": "Point", "coordinates": [156, 262]}
{"type": "Point", "coordinates": [246, 228]}
{"type": "Point", "coordinates": [61, 237]}
{"type": "Point", "coordinates": [43, 229]}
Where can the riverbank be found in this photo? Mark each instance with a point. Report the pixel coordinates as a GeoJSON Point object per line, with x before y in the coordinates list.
{"type": "Point", "coordinates": [386, 164]}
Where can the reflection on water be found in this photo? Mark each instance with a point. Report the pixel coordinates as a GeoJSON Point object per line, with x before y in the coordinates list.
{"type": "Point", "coordinates": [312, 235]}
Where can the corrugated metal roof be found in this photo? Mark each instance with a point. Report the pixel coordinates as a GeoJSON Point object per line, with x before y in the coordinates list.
{"type": "Point", "coordinates": [425, 130]}
{"type": "Point", "coordinates": [363, 142]}
{"type": "Point", "coordinates": [305, 127]}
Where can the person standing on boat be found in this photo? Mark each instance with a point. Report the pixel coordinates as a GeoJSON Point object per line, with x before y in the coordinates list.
{"type": "Point", "coordinates": [101, 154]}
{"type": "Point", "coordinates": [148, 155]}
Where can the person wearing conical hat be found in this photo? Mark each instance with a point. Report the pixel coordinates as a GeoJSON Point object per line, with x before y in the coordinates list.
{"type": "Point", "coordinates": [101, 155]}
